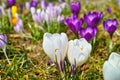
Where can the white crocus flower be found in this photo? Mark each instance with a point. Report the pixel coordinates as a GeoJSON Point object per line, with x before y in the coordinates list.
{"type": "Point", "coordinates": [111, 68]}
{"type": "Point", "coordinates": [78, 52]}
{"type": "Point", "coordinates": [55, 46]}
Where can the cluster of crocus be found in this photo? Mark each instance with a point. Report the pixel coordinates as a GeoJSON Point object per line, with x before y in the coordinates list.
{"type": "Point", "coordinates": [50, 14]}
{"type": "Point", "coordinates": [91, 19]}
{"type": "Point", "coordinates": [111, 67]}
{"type": "Point", "coordinates": [75, 50]}
{"type": "Point", "coordinates": [3, 41]}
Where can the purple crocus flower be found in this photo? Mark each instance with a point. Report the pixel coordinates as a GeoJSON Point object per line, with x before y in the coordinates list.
{"type": "Point", "coordinates": [38, 16]}
{"type": "Point", "coordinates": [88, 33]}
{"type": "Point", "coordinates": [34, 3]}
{"type": "Point", "coordinates": [75, 7]}
{"type": "Point", "coordinates": [60, 19]}
{"type": "Point", "coordinates": [74, 24]}
{"type": "Point", "coordinates": [2, 12]}
{"type": "Point", "coordinates": [93, 18]}
{"type": "Point", "coordinates": [27, 5]}
{"type": "Point", "coordinates": [11, 2]}
{"type": "Point", "coordinates": [110, 26]}
{"type": "Point", "coordinates": [44, 4]}
{"type": "Point", "coordinates": [118, 1]}
{"type": "Point", "coordinates": [3, 41]}
{"type": "Point", "coordinates": [19, 26]}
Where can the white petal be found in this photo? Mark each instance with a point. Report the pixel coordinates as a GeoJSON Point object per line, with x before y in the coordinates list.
{"type": "Point", "coordinates": [48, 46]}
{"type": "Point", "coordinates": [114, 60]}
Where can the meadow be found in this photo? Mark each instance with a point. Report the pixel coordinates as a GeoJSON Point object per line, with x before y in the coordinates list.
{"type": "Point", "coordinates": [26, 25]}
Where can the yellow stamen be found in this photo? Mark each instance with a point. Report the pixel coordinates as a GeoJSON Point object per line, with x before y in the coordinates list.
{"type": "Point", "coordinates": [81, 49]}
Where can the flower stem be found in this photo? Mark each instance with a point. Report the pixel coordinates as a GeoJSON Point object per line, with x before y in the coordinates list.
{"type": "Point", "coordinates": [4, 50]}
{"type": "Point", "coordinates": [110, 46]}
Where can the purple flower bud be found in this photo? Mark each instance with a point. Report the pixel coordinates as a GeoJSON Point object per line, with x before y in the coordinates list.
{"type": "Point", "coordinates": [3, 41]}
{"type": "Point", "coordinates": [74, 24]}
{"type": "Point", "coordinates": [110, 26]}
{"type": "Point", "coordinates": [109, 10]}
{"type": "Point", "coordinates": [21, 7]}
{"type": "Point", "coordinates": [93, 18]}
{"type": "Point", "coordinates": [34, 3]}
{"type": "Point", "coordinates": [88, 33]}
{"type": "Point", "coordinates": [11, 2]}
{"type": "Point", "coordinates": [75, 7]}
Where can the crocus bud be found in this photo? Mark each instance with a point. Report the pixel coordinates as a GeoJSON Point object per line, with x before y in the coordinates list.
{"type": "Point", "coordinates": [3, 41]}
{"type": "Point", "coordinates": [75, 7]}
{"type": "Point", "coordinates": [88, 33]}
{"type": "Point", "coordinates": [21, 7]}
{"type": "Point", "coordinates": [110, 26]}
{"type": "Point", "coordinates": [93, 18]}
{"type": "Point", "coordinates": [55, 46]}
{"type": "Point", "coordinates": [14, 11]}
{"type": "Point", "coordinates": [111, 67]}
{"type": "Point", "coordinates": [78, 52]}
{"type": "Point", "coordinates": [11, 2]}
